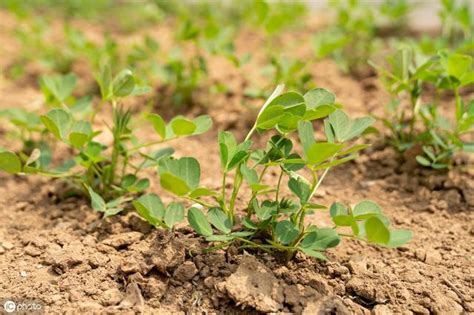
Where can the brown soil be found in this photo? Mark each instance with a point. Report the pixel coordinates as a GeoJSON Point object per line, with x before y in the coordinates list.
{"type": "Point", "coordinates": [62, 253]}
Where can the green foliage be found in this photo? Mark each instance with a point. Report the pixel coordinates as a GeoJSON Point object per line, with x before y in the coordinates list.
{"type": "Point", "coordinates": [103, 170]}
{"type": "Point", "coordinates": [151, 208]}
{"type": "Point", "coordinates": [273, 223]}
{"type": "Point", "coordinates": [359, 31]}
{"type": "Point", "coordinates": [457, 22]}
{"type": "Point", "coordinates": [419, 124]}
{"type": "Point", "coordinates": [351, 40]}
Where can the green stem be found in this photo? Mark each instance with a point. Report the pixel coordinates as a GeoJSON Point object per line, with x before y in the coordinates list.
{"type": "Point", "coordinates": [414, 109]}
{"type": "Point", "coordinates": [223, 189]}
{"type": "Point", "coordinates": [149, 144]}
{"type": "Point", "coordinates": [253, 244]}
{"type": "Point", "coordinates": [235, 192]}
{"type": "Point", "coordinates": [278, 188]}
{"type": "Point", "coordinates": [113, 162]}
{"type": "Point", "coordinates": [124, 167]}
{"type": "Point", "coordinates": [94, 113]}
{"type": "Point", "coordinates": [203, 203]}
{"type": "Point", "coordinates": [459, 107]}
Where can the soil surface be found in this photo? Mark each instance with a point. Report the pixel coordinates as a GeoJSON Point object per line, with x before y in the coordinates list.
{"type": "Point", "coordinates": [60, 252]}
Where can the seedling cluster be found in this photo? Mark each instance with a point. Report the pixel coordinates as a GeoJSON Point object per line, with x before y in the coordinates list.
{"type": "Point", "coordinates": [421, 126]}
{"type": "Point", "coordinates": [101, 170]}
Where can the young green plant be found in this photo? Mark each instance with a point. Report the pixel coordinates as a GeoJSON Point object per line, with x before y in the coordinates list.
{"type": "Point", "coordinates": [103, 170]}
{"type": "Point", "coordinates": [268, 219]}
{"type": "Point", "coordinates": [420, 126]}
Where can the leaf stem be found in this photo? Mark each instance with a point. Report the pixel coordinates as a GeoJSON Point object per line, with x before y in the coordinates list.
{"type": "Point", "coordinates": [278, 188]}
{"type": "Point", "coordinates": [235, 191]}
{"type": "Point", "coordinates": [203, 203]}
{"type": "Point", "coordinates": [459, 107]}
{"type": "Point", "coordinates": [144, 145]}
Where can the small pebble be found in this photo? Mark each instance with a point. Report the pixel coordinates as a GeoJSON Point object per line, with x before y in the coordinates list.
{"type": "Point", "coordinates": [8, 245]}
{"type": "Point", "coordinates": [23, 274]}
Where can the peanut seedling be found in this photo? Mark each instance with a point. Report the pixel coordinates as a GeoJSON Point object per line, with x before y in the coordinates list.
{"type": "Point", "coordinates": [109, 171]}
{"type": "Point", "coordinates": [421, 126]}
{"type": "Point", "coordinates": [268, 220]}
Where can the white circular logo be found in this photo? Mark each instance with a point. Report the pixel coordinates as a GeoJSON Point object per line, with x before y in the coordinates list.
{"type": "Point", "coordinates": [9, 306]}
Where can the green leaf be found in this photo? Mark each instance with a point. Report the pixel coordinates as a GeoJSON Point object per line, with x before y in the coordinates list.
{"type": "Point", "coordinates": [140, 90]}
{"type": "Point", "coordinates": [140, 185]}
{"type": "Point", "coordinates": [97, 201]}
{"type": "Point", "coordinates": [198, 222]}
{"type": "Point", "coordinates": [329, 131]}
{"type": "Point", "coordinates": [112, 211]}
{"type": "Point", "coordinates": [58, 122]}
{"type": "Point", "coordinates": [319, 112]}
{"type": "Point", "coordinates": [227, 146]}
{"type": "Point", "coordinates": [219, 220]}
{"type": "Point", "coordinates": [150, 207]}
{"type": "Point", "coordinates": [401, 62]}
{"type": "Point", "coordinates": [318, 97]}
{"type": "Point", "coordinates": [174, 213]}
{"type": "Point", "coordinates": [59, 86]}
{"type": "Point", "coordinates": [423, 161]}
{"type": "Point", "coordinates": [203, 123]}
{"type": "Point", "coordinates": [182, 126]}
{"type": "Point", "coordinates": [80, 133]}
{"type": "Point", "coordinates": [123, 84]}
{"type": "Point", "coordinates": [34, 156]}
{"type": "Point", "coordinates": [174, 184]}
{"type": "Point", "coordinates": [270, 117]}
{"type": "Point", "coordinates": [9, 162]}
{"type": "Point", "coordinates": [265, 210]}
{"type": "Point", "coordinates": [249, 224]}
{"type": "Point", "coordinates": [104, 80]}
{"type": "Point", "coordinates": [293, 103]}
{"type": "Point", "coordinates": [306, 135]}
{"type": "Point", "coordinates": [399, 238]}
{"type": "Point", "coordinates": [236, 159]}
{"type": "Point", "coordinates": [250, 175]}
{"type": "Point", "coordinates": [340, 124]}
{"type": "Point", "coordinates": [158, 124]}
{"type": "Point", "coordinates": [457, 65]}
{"type": "Point", "coordinates": [334, 162]}
{"type": "Point", "coordinates": [313, 253]}
{"type": "Point", "coordinates": [321, 151]}
{"type": "Point", "coordinates": [358, 127]}
{"type": "Point", "coordinates": [376, 231]}
{"type": "Point", "coordinates": [338, 208]}
{"type": "Point", "coordinates": [339, 127]}
{"type": "Point", "coordinates": [129, 180]}
{"type": "Point", "coordinates": [321, 239]}
{"type": "Point", "coordinates": [293, 107]}
{"type": "Point", "coordinates": [300, 187]}
{"type": "Point", "coordinates": [179, 176]}
{"type": "Point", "coordinates": [366, 209]}
{"type": "Point", "coordinates": [21, 117]}
{"type": "Point", "coordinates": [286, 232]}
{"type": "Point", "coordinates": [340, 215]}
